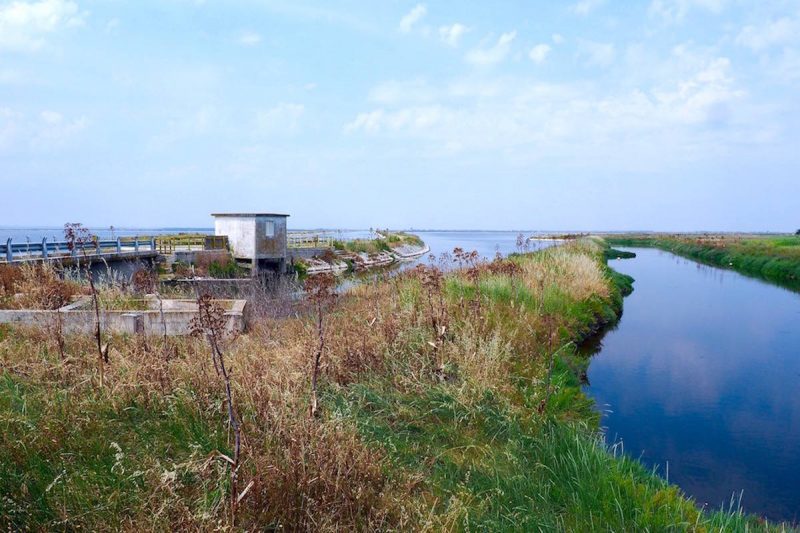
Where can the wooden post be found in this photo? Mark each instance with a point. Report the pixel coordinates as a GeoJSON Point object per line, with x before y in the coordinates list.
{"type": "Point", "coordinates": [9, 253]}
{"type": "Point", "coordinates": [136, 244]}
{"type": "Point", "coordinates": [44, 248]}
{"type": "Point", "coordinates": [119, 245]}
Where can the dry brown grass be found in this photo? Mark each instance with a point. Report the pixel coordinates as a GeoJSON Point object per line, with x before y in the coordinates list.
{"type": "Point", "coordinates": [570, 268]}
{"type": "Point", "coordinates": [10, 275]}
{"type": "Point", "coordinates": [38, 286]}
{"type": "Point", "coordinates": [316, 474]}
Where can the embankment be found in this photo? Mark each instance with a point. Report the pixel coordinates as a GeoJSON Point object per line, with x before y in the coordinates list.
{"type": "Point", "coordinates": [448, 401]}
{"type": "Point", "coordinates": [775, 259]}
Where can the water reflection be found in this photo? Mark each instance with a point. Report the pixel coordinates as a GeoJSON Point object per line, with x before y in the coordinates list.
{"type": "Point", "coordinates": [701, 374]}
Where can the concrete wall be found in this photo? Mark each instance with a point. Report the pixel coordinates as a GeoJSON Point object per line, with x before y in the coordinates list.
{"type": "Point", "coordinates": [241, 233]}
{"type": "Point", "coordinates": [178, 315]}
{"type": "Point", "coordinates": [271, 245]}
{"type": "Point", "coordinates": [305, 253]}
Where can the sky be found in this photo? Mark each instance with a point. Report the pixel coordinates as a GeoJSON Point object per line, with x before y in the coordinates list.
{"type": "Point", "coordinates": [669, 115]}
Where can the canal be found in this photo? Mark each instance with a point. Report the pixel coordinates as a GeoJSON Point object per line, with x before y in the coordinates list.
{"type": "Point", "coordinates": [700, 380]}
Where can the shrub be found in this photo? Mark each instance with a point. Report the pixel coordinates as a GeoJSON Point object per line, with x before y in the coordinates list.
{"type": "Point", "coordinates": [41, 288]}
{"type": "Point", "coordinates": [217, 264]}
{"type": "Point", "coordinates": [182, 269]}
{"type": "Point", "coordinates": [10, 275]}
{"type": "Point", "coordinates": [301, 269]}
{"type": "Point", "coordinates": [226, 270]}
{"type": "Point", "coordinates": [144, 281]}
{"type": "Point", "coordinates": [328, 256]}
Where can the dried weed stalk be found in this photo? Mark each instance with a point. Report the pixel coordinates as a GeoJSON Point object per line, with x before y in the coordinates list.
{"type": "Point", "coordinates": [210, 323]}
{"type": "Point", "coordinates": [77, 235]}
{"type": "Point", "coordinates": [320, 290]}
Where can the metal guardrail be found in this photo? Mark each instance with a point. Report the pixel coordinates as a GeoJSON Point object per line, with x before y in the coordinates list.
{"type": "Point", "coordinates": [44, 250]}
{"type": "Point", "coordinates": [309, 240]}
{"type": "Point", "coordinates": [164, 244]}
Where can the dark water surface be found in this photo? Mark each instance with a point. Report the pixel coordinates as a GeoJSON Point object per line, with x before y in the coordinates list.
{"type": "Point", "coordinates": [702, 379]}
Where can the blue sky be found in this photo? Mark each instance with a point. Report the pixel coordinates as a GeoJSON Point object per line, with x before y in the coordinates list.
{"type": "Point", "coordinates": [659, 114]}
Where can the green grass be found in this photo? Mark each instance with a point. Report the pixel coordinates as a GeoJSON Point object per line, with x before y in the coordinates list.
{"type": "Point", "coordinates": [497, 464]}
{"type": "Point", "coordinates": [225, 270]}
{"type": "Point", "coordinates": [775, 259]}
{"type": "Point", "coordinates": [373, 246]}
{"type": "Point", "coordinates": [401, 237]}
{"type": "Point", "coordinates": [74, 461]}
{"type": "Point", "coordinates": [357, 246]}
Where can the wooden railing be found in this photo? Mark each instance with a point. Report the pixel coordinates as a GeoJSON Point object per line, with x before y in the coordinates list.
{"type": "Point", "coordinates": [168, 244]}
{"type": "Point", "coordinates": [308, 240]}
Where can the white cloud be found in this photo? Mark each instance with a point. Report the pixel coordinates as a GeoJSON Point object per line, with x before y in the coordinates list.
{"type": "Point", "coordinates": [8, 127]}
{"type": "Point", "coordinates": [391, 92]}
{"type": "Point", "coordinates": [539, 53]}
{"type": "Point", "coordinates": [489, 56]}
{"type": "Point", "coordinates": [787, 68]}
{"type": "Point", "coordinates": [47, 130]}
{"type": "Point", "coordinates": [111, 26]}
{"type": "Point", "coordinates": [54, 129]}
{"type": "Point", "coordinates": [283, 119]}
{"type": "Point", "coordinates": [420, 120]}
{"type": "Point", "coordinates": [186, 124]}
{"type": "Point", "coordinates": [412, 17]}
{"type": "Point", "coordinates": [558, 38]}
{"type": "Point", "coordinates": [597, 54]}
{"type": "Point", "coordinates": [24, 25]}
{"type": "Point", "coordinates": [249, 38]}
{"type": "Point", "coordinates": [705, 97]}
{"type": "Point", "coordinates": [10, 76]}
{"type": "Point", "coordinates": [51, 117]}
{"type": "Point", "coordinates": [697, 113]}
{"type": "Point", "coordinates": [584, 7]}
{"type": "Point", "coordinates": [676, 10]}
{"type": "Point", "coordinates": [451, 35]}
{"type": "Point", "coordinates": [369, 122]}
{"type": "Point", "coordinates": [774, 33]}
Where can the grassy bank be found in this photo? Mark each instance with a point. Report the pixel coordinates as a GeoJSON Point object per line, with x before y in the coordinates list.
{"type": "Point", "coordinates": [447, 402]}
{"type": "Point", "coordinates": [774, 258]}
{"type": "Point", "coordinates": [386, 242]}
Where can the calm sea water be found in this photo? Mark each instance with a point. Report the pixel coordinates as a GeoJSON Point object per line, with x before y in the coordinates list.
{"type": "Point", "coordinates": [57, 234]}
{"type": "Point", "coordinates": [700, 379]}
{"type": "Point", "coordinates": [486, 243]}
